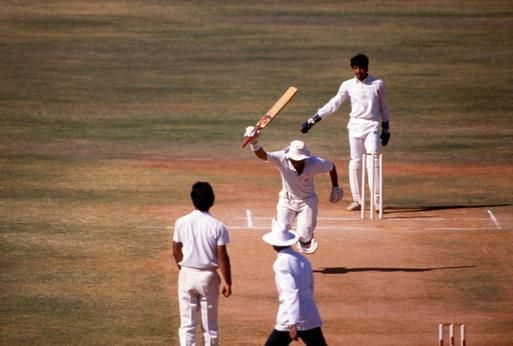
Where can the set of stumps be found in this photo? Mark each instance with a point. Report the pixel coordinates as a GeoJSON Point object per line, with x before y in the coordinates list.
{"type": "Point", "coordinates": [452, 334]}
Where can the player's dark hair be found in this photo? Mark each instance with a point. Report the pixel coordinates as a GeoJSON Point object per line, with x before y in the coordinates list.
{"type": "Point", "coordinates": [360, 60]}
{"type": "Point", "coordinates": [202, 196]}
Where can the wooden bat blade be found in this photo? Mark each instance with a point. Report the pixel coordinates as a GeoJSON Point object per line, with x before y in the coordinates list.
{"type": "Point", "coordinates": [277, 107]}
{"type": "Point", "coordinates": [273, 112]}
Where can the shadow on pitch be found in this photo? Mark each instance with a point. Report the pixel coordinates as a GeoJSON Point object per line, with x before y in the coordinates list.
{"type": "Point", "coordinates": [344, 270]}
{"type": "Point", "coordinates": [415, 209]}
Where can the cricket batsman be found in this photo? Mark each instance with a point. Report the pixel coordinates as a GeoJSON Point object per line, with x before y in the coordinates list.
{"type": "Point", "coordinates": [297, 200]}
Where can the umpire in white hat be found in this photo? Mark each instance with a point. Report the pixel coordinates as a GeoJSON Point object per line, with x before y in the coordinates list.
{"type": "Point", "coordinates": [297, 317]}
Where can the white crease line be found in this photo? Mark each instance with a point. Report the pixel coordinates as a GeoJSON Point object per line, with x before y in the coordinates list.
{"type": "Point", "coordinates": [494, 219]}
{"type": "Point", "coordinates": [249, 228]}
{"type": "Point", "coordinates": [456, 229]}
{"type": "Point", "coordinates": [260, 227]}
{"type": "Point", "coordinates": [358, 219]}
{"type": "Point", "coordinates": [268, 228]}
{"type": "Point", "coordinates": [432, 219]}
{"type": "Point", "coordinates": [329, 228]}
{"type": "Point", "coordinates": [319, 218]}
{"type": "Point", "coordinates": [155, 227]}
{"type": "Point", "coordinates": [249, 218]}
{"type": "Point", "coordinates": [340, 228]}
{"type": "Point", "coordinates": [384, 218]}
{"type": "Point", "coordinates": [250, 225]}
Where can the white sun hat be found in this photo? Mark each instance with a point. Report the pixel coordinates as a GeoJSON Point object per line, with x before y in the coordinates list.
{"type": "Point", "coordinates": [297, 151]}
{"type": "Point", "coordinates": [280, 235]}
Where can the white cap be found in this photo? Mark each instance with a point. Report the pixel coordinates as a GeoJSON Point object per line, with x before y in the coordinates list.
{"type": "Point", "coordinates": [280, 235]}
{"type": "Point", "coordinates": [297, 151]}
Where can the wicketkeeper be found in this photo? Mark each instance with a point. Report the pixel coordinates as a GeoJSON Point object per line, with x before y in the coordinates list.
{"type": "Point", "coordinates": [297, 198]}
{"type": "Point", "coordinates": [369, 107]}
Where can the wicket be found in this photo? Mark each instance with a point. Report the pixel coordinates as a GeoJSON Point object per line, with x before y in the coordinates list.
{"type": "Point", "coordinates": [376, 158]}
{"type": "Point", "coordinates": [451, 333]}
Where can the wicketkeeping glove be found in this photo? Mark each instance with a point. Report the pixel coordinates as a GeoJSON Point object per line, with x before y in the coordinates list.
{"type": "Point", "coordinates": [307, 125]}
{"type": "Point", "coordinates": [336, 194]}
{"type": "Point", "coordinates": [385, 133]}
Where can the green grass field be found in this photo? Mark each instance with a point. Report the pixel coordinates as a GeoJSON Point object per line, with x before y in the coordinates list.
{"type": "Point", "coordinates": [90, 89]}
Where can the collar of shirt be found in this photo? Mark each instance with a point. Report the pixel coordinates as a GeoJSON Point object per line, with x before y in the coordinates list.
{"type": "Point", "coordinates": [287, 250]}
{"type": "Point", "coordinates": [197, 211]}
{"type": "Point", "coordinates": [367, 80]}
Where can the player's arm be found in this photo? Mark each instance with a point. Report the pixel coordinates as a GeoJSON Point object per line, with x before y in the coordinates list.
{"type": "Point", "coordinates": [334, 176]}
{"type": "Point", "coordinates": [307, 125]}
{"type": "Point", "coordinates": [177, 253]}
{"type": "Point", "coordinates": [336, 193]}
{"type": "Point", "coordinates": [385, 133]}
{"type": "Point", "coordinates": [261, 154]}
{"type": "Point", "coordinates": [326, 110]}
{"type": "Point", "coordinates": [293, 332]}
{"type": "Point", "coordinates": [226, 270]}
{"type": "Point", "coordinates": [385, 115]}
{"type": "Point", "coordinates": [252, 133]}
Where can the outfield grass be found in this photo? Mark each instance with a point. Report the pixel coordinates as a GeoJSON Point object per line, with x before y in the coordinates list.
{"type": "Point", "coordinates": [89, 88]}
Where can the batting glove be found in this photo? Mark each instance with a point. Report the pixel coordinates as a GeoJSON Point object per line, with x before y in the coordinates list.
{"type": "Point", "coordinates": [385, 133]}
{"type": "Point", "coordinates": [336, 194]}
{"type": "Point", "coordinates": [307, 125]}
{"type": "Point", "coordinates": [252, 133]}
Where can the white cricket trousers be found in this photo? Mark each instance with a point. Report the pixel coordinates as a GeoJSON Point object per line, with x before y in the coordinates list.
{"type": "Point", "coordinates": [369, 143]}
{"type": "Point", "coordinates": [198, 296]}
{"type": "Point", "coordinates": [303, 210]}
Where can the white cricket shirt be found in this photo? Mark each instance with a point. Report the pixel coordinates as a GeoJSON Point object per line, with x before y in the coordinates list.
{"type": "Point", "coordinates": [369, 104]}
{"type": "Point", "coordinates": [298, 186]}
{"type": "Point", "coordinates": [200, 234]}
{"type": "Point", "coordinates": [294, 281]}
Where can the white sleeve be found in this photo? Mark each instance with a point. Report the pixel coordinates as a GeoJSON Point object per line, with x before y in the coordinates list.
{"type": "Point", "coordinates": [176, 233]}
{"type": "Point", "coordinates": [224, 237]}
{"type": "Point", "coordinates": [321, 165]}
{"type": "Point", "coordinates": [335, 102]}
{"type": "Point", "coordinates": [383, 102]}
{"type": "Point", "coordinates": [275, 157]}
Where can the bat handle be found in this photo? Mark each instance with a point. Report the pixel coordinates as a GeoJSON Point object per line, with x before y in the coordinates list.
{"type": "Point", "coordinates": [245, 141]}
{"type": "Point", "coordinates": [248, 139]}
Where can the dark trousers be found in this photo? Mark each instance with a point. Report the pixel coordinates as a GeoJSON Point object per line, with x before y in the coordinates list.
{"type": "Point", "coordinates": [311, 337]}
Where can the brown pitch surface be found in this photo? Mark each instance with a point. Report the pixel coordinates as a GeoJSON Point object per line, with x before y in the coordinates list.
{"type": "Point", "coordinates": [387, 282]}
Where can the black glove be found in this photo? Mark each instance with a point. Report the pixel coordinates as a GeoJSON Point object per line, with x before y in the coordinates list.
{"type": "Point", "coordinates": [307, 125]}
{"type": "Point", "coordinates": [385, 133]}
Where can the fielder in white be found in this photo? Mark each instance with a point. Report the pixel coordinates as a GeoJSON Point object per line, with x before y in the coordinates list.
{"type": "Point", "coordinates": [199, 249]}
{"type": "Point", "coordinates": [369, 107]}
{"type": "Point", "coordinates": [297, 198]}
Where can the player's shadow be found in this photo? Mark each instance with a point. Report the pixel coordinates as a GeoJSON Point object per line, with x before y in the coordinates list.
{"type": "Point", "coordinates": [344, 270]}
{"type": "Point", "coordinates": [411, 209]}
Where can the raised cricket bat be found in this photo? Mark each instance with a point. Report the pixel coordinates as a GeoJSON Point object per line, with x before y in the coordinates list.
{"type": "Point", "coordinates": [272, 112]}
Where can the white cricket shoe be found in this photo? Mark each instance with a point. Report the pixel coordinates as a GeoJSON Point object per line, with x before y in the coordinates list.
{"type": "Point", "coordinates": [354, 206]}
{"type": "Point", "coordinates": [307, 248]}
